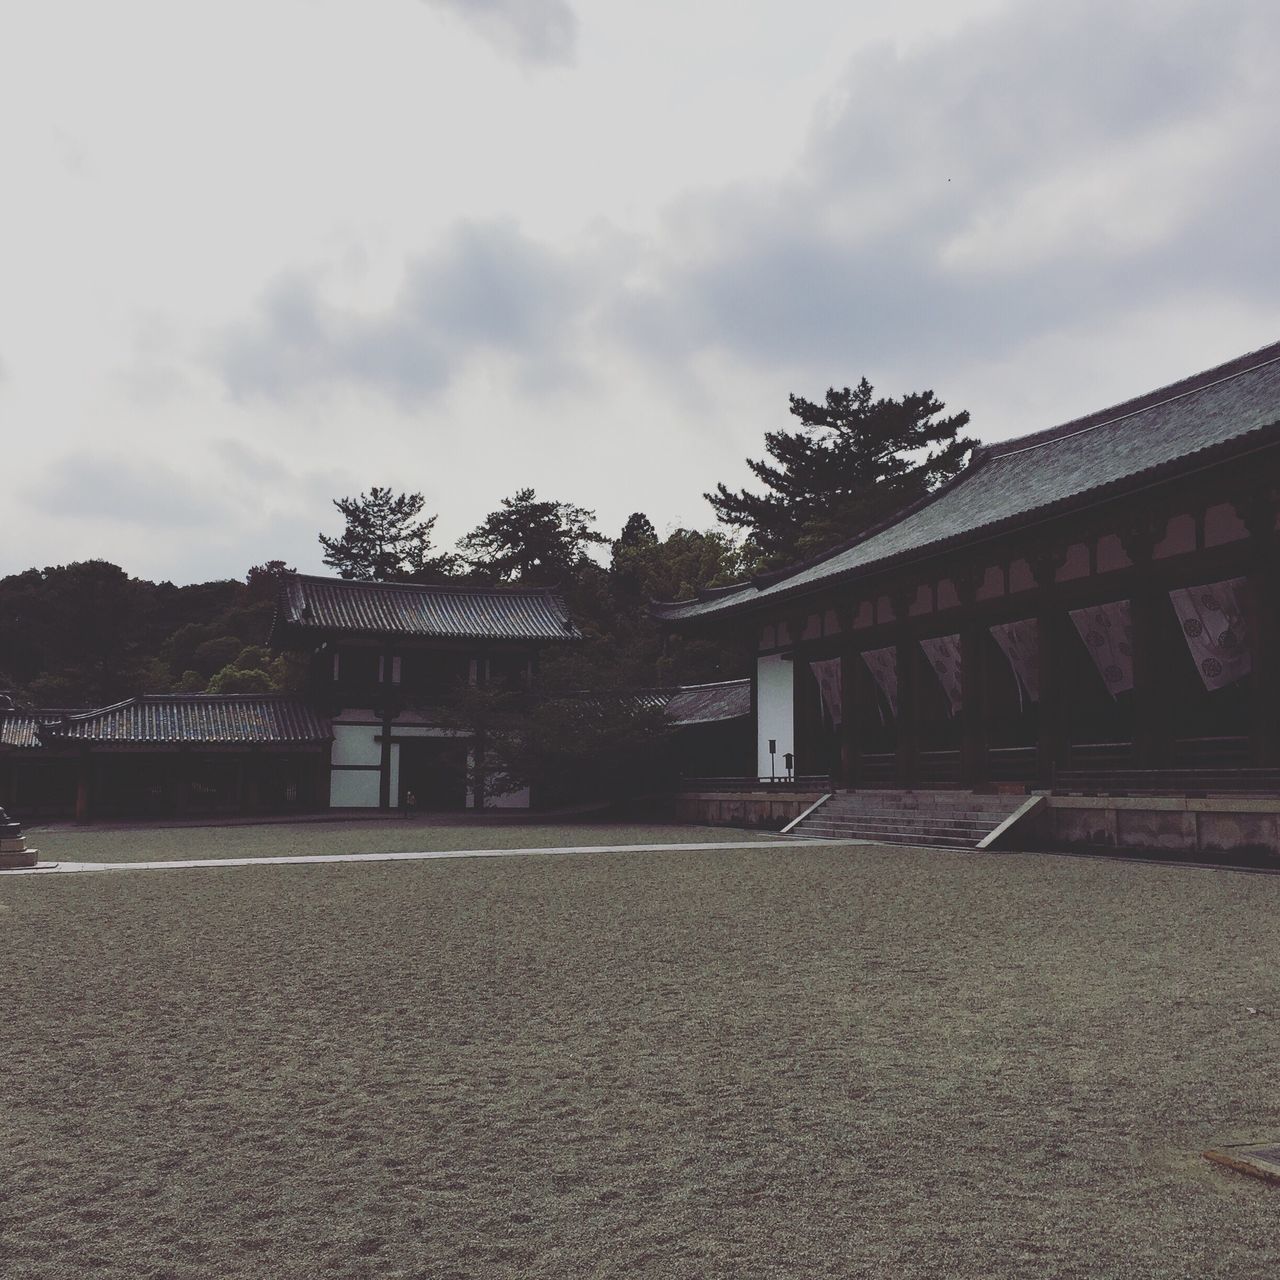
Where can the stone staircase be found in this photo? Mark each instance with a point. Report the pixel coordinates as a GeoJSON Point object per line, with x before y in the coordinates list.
{"type": "Point", "coordinates": [942, 819]}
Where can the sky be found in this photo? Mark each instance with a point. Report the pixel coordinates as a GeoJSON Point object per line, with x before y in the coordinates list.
{"type": "Point", "coordinates": [260, 254]}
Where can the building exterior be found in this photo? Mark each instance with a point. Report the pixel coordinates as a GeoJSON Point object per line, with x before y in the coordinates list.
{"type": "Point", "coordinates": [166, 755]}
{"type": "Point", "coordinates": [382, 656]}
{"type": "Point", "coordinates": [1100, 595]}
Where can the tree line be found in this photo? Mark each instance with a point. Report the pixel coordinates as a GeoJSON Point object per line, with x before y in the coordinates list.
{"type": "Point", "coordinates": [87, 634]}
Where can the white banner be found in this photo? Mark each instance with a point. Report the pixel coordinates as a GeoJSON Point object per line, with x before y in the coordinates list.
{"type": "Point", "coordinates": [1215, 624]}
{"type": "Point", "coordinates": [1107, 632]}
{"type": "Point", "coordinates": [1020, 643]}
{"type": "Point", "coordinates": [883, 665]}
{"type": "Point", "coordinates": [943, 653]}
{"type": "Point", "coordinates": [827, 673]}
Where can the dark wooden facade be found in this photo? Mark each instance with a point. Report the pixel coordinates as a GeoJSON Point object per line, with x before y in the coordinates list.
{"type": "Point", "coordinates": [1177, 498]}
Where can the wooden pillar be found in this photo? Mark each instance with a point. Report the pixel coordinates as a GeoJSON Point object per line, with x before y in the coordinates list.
{"type": "Point", "coordinates": [973, 720]}
{"type": "Point", "coordinates": [801, 717]}
{"type": "Point", "coordinates": [387, 713]}
{"type": "Point", "coordinates": [1258, 512]}
{"type": "Point", "coordinates": [1152, 734]}
{"type": "Point", "coordinates": [84, 787]}
{"type": "Point", "coordinates": [323, 777]}
{"type": "Point", "coordinates": [179, 779]}
{"type": "Point", "coordinates": [1051, 739]}
{"type": "Point", "coordinates": [905, 657]}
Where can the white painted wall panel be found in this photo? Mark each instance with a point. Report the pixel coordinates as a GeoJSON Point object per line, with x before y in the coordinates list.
{"type": "Point", "coordinates": [775, 710]}
{"type": "Point", "coordinates": [354, 744]}
{"type": "Point", "coordinates": [353, 789]}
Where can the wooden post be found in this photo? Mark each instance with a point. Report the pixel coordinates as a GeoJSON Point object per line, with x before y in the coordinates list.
{"type": "Point", "coordinates": [973, 724]}
{"type": "Point", "coordinates": [84, 787]}
{"type": "Point", "coordinates": [1258, 512]}
{"type": "Point", "coordinates": [1051, 738]}
{"type": "Point", "coordinates": [905, 658]}
{"type": "Point", "coordinates": [1152, 738]}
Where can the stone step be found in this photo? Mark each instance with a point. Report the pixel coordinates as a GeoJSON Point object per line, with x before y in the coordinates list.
{"type": "Point", "coordinates": [893, 837]}
{"type": "Point", "coordinates": [969, 819]}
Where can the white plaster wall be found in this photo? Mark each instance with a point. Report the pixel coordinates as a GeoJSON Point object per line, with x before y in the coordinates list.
{"type": "Point", "coordinates": [395, 774]}
{"type": "Point", "coordinates": [354, 744]}
{"type": "Point", "coordinates": [353, 789]}
{"type": "Point", "coordinates": [775, 710]}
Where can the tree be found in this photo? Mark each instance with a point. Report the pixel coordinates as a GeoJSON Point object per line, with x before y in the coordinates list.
{"type": "Point", "coordinates": [530, 542]}
{"type": "Point", "coordinates": [385, 540]}
{"type": "Point", "coordinates": [855, 461]}
{"type": "Point", "coordinates": [264, 581]}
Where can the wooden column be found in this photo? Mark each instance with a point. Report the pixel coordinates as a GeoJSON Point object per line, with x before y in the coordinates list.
{"type": "Point", "coordinates": [850, 708]}
{"type": "Point", "coordinates": [905, 657]}
{"type": "Point", "coordinates": [1152, 735]}
{"type": "Point", "coordinates": [1258, 512]}
{"type": "Point", "coordinates": [1051, 740]}
{"type": "Point", "coordinates": [84, 787]}
{"type": "Point", "coordinates": [387, 713]}
{"type": "Point", "coordinates": [973, 722]}
{"type": "Point", "coordinates": [801, 716]}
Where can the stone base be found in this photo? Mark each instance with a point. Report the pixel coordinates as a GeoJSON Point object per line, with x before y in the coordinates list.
{"type": "Point", "coordinates": [11, 859]}
{"type": "Point", "coordinates": [15, 845]}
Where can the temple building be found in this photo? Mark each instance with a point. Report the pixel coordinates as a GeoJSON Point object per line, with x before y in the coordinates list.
{"type": "Point", "coordinates": [381, 656]}
{"type": "Point", "coordinates": [1100, 596]}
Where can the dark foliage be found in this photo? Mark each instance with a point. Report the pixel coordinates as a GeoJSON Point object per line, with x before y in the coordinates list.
{"type": "Point", "coordinates": [854, 461]}
{"type": "Point", "coordinates": [536, 543]}
{"type": "Point", "coordinates": [386, 539]}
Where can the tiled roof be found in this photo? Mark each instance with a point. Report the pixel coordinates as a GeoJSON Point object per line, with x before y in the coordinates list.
{"type": "Point", "coordinates": [708, 703]}
{"type": "Point", "coordinates": [22, 728]}
{"type": "Point", "coordinates": [686, 704]}
{"type": "Point", "coordinates": [196, 718]}
{"type": "Point", "coordinates": [320, 605]}
{"type": "Point", "coordinates": [18, 729]}
{"type": "Point", "coordinates": [1203, 417]}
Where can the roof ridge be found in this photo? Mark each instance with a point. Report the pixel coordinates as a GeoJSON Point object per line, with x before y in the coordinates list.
{"type": "Point", "coordinates": [1135, 405]}
{"type": "Point", "coordinates": [499, 588]}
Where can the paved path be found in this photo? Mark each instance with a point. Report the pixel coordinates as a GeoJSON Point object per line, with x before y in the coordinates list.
{"type": "Point", "coordinates": [57, 868]}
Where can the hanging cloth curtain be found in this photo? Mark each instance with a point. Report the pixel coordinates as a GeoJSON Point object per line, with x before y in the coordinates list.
{"type": "Point", "coordinates": [943, 653]}
{"type": "Point", "coordinates": [883, 665]}
{"type": "Point", "coordinates": [827, 672]}
{"type": "Point", "coordinates": [1215, 624]}
{"type": "Point", "coordinates": [1107, 631]}
{"type": "Point", "coordinates": [1020, 643]}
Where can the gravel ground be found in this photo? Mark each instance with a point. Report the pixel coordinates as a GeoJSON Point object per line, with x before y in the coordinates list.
{"type": "Point", "coordinates": [846, 1061]}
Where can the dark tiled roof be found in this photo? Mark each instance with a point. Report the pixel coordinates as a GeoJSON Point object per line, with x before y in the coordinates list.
{"type": "Point", "coordinates": [686, 704]}
{"type": "Point", "coordinates": [196, 718]}
{"type": "Point", "coordinates": [22, 728]}
{"type": "Point", "coordinates": [1198, 419]}
{"type": "Point", "coordinates": [18, 729]}
{"type": "Point", "coordinates": [320, 605]}
{"type": "Point", "coordinates": [708, 703]}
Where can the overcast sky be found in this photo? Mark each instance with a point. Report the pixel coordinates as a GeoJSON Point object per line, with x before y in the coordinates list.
{"type": "Point", "coordinates": [258, 254]}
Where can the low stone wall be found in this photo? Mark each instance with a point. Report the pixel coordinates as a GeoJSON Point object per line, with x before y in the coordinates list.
{"type": "Point", "coordinates": [1212, 825]}
{"type": "Point", "coordinates": [768, 809]}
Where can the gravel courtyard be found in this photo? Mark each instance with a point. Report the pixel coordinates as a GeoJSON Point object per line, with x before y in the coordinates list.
{"type": "Point", "coordinates": [831, 1061]}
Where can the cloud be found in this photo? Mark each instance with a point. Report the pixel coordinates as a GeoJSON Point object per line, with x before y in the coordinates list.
{"type": "Point", "coordinates": [540, 32]}
{"type": "Point", "coordinates": [487, 290]}
{"type": "Point", "coordinates": [1047, 168]}
{"type": "Point", "coordinates": [1049, 164]}
{"type": "Point", "coordinates": [124, 491]}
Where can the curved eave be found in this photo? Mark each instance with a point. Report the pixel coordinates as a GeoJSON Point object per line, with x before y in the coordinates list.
{"type": "Point", "coordinates": [1243, 445]}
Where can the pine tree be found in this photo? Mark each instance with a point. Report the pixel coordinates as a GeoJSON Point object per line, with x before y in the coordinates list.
{"type": "Point", "coordinates": [532, 542]}
{"type": "Point", "coordinates": [855, 460]}
{"type": "Point", "coordinates": [386, 540]}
